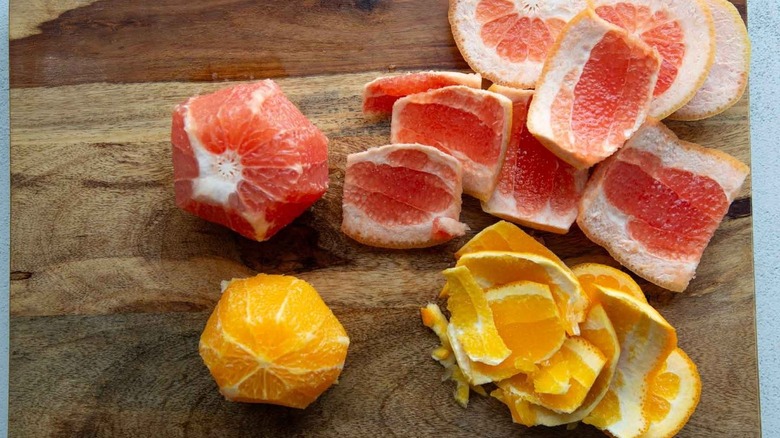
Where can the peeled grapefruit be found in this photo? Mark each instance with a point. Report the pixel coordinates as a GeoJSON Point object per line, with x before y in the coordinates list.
{"type": "Point", "coordinates": [656, 203]}
{"type": "Point", "coordinates": [535, 188]}
{"type": "Point", "coordinates": [245, 157]}
{"type": "Point", "coordinates": [507, 40]}
{"type": "Point", "coordinates": [728, 76]}
{"type": "Point", "coordinates": [380, 94]}
{"type": "Point", "coordinates": [683, 33]}
{"type": "Point", "coordinates": [402, 196]}
{"type": "Point", "coordinates": [594, 92]}
{"type": "Point", "coordinates": [471, 125]}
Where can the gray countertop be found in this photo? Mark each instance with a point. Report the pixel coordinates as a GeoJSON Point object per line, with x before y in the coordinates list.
{"type": "Point", "coordinates": [764, 30]}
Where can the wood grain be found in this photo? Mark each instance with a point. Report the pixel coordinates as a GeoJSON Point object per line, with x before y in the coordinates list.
{"type": "Point", "coordinates": [108, 237]}
{"type": "Point", "coordinates": [124, 375]}
{"type": "Point", "coordinates": [111, 284]}
{"type": "Point", "coordinates": [175, 40]}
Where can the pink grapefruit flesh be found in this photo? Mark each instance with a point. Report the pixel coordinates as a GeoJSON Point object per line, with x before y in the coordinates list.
{"type": "Point", "coordinates": [246, 158]}
{"type": "Point", "coordinates": [380, 94]}
{"type": "Point", "coordinates": [402, 196]}
{"type": "Point", "coordinates": [657, 202]}
{"type": "Point", "coordinates": [594, 92]}
{"type": "Point", "coordinates": [471, 125]}
{"type": "Point", "coordinates": [535, 188]}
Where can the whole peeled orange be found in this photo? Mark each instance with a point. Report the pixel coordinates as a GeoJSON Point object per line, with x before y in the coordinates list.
{"type": "Point", "coordinates": [271, 339]}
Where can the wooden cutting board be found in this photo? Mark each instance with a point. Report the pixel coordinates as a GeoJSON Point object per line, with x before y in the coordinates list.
{"type": "Point", "coordinates": [111, 284]}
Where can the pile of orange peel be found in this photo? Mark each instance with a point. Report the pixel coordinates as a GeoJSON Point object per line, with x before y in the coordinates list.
{"type": "Point", "coordinates": [560, 345]}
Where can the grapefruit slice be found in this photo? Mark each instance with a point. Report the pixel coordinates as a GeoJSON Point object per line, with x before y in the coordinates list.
{"type": "Point", "coordinates": [728, 76]}
{"type": "Point", "coordinates": [683, 33]}
{"type": "Point", "coordinates": [507, 40]}
{"type": "Point", "coordinates": [594, 92]}
{"type": "Point", "coordinates": [656, 204]}
{"type": "Point", "coordinates": [535, 188]}
{"type": "Point", "coordinates": [380, 94]}
{"type": "Point", "coordinates": [471, 125]}
{"type": "Point", "coordinates": [246, 158]}
{"type": "Point", "coordinates": [674, 394]}
{"type": "Point", "coordinates": [646, 340]}
{"type": "Point", "coordinates": [402, 196]}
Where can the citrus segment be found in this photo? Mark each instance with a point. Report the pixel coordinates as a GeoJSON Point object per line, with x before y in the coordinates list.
{"type": "Point", "coordinates": [592, 274]}
{"type": "Point", "coordinates": [727, 79]}
{"type": "Point", "coordinates": [597, 330]}
{"type": "Point", "coordinates": [471, 125]}
{"type": "Point", "coordinates": [527, 321]}
{"type": "Point", "coordinates": [560, 384]}
{"type": "Point", "coordinates": [471, 321]}
{"type": "Point", "coordinates": [674, 394]}
{"type": "Point", "coordinates": [378, 208]}
{"type": "Point", "coordinates": [656, 204]}
{"type": "Point", "coordinates": [271, 339]}
{"type": "Point", "coordinates": [594, 92]}
{"type": "Point", "coordinates": [535, 188]}
{"type": "Point", "coordinates": [503, 236]}
{"type": "Point", "coordinates": [380, 94]}
{"type": "Point", "coordinates": [507, 41]}
{"type": "Point", "coordinates": [496, 268]}
{"type": "Point", "coordinates": [646, 339]}
{"type": "Point", "coordinates": [246, 158]}
{"type": "Point", "coordinates": [682, 32]}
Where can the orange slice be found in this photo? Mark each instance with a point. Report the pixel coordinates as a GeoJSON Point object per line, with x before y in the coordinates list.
{"type": "Point", "coordinates": [271, 339]}
{"type": "Point", "coordinates": [471, 125]}
{"type": "Point", "coordinates": [560, 384]}
{"type": "Point", "coordinates": [504, 236]}
{"type": "Point", "coordinates": [594, 92]}
{"type": "Point", "coordinates": [507, 40]}
{"type": "Point", "coordinates": [592, 274]}
{"type": "Point", "coordinates": [728, 76]}
{"type": "Point", "coordinates": [471, 321]}
{"type": "Point", "coordinates": [674, 394]}
{"type": "Point", "coordinates": [646, 340]}
{"type": "Point", "coordinates": [527, 320]}
{"type": "Point", "coordinates": [683, 33]}
{"type": "Point", "coordinates": [497, 268]}
{"type": "Point", "coordinates": [597, 329]}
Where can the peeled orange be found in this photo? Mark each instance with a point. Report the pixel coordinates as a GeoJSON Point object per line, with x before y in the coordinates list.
{"type": "Point", "coordinates": [271, 339]}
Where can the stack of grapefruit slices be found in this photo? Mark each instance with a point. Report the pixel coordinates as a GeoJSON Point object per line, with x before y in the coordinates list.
{"type": "Point", "coordinates": [560, 345]}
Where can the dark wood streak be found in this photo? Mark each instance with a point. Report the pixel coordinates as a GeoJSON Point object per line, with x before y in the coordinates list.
{"type": "Point", "coordinates": [740, 208]}
{"type": "Point", "coordinates": [170, 40]}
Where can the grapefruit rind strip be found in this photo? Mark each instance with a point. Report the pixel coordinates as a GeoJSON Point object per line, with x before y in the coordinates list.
{"type": "Point", "coordinates": [728, 77]}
